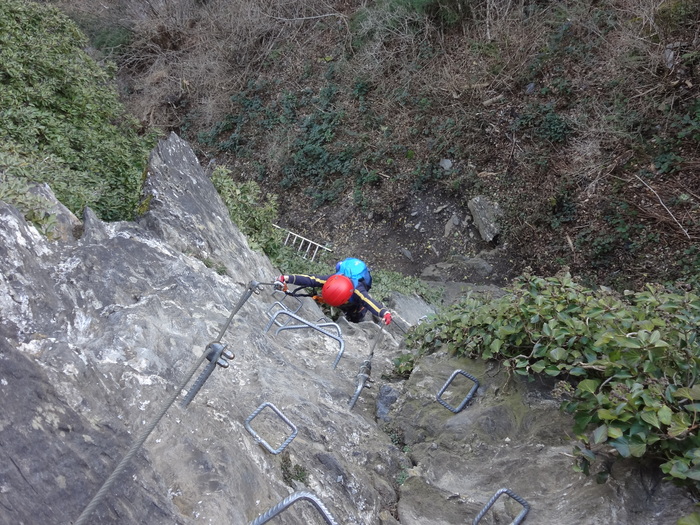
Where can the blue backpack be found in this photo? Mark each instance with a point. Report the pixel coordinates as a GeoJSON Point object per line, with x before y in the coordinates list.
{"type": "Point", "coordinates": [356, 270]}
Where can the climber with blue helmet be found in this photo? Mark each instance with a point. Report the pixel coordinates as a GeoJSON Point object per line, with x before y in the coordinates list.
{"type": "Point", "coordinates": [347, 289]}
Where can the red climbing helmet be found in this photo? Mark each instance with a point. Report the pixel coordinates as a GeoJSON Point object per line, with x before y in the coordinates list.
{"type": "Point", "coordinates": [337, 290]}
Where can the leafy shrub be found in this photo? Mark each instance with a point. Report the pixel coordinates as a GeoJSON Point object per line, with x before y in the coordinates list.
{"type": "Point", "coordinates": [16, 191]}
{"type": "Point", "coordinates": [633, 360]}
{"type": "Point", "coordinates": [56, 102]}
{"type": "Point", "coordinates": [544, 122]}
{"type": "Point", "coordinates": [247, 208]}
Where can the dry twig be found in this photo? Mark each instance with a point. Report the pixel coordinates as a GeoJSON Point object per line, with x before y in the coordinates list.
{"type": "Point", "coordinates": [665, 207]}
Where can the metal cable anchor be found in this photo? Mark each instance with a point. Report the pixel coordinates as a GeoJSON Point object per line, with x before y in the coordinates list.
{"type": "Point", "coordinates": [466, 399]}
{"type": "Point", "coordinates": [260, 440]}
{"type": "Point", "coordinates": [289, 501]}
{"type": "Point", "coordinates": [518, 519]}
{"type": "Point", "coordinates": [362, 378]}
{"type": "Point", "coordinates": [217, 354]}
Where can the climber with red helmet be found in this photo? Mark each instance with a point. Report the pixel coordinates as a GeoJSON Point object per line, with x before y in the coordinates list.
{"type": "Point", "coordinates": [348, 290]}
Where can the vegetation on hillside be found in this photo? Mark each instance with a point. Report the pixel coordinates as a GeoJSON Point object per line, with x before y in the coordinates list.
{"type": "Point", "coordinates": [60, 119]}
{"type": "Point", "coordinates": [582, 119]}
{"type": "Point", "coordinates": [629, 363]}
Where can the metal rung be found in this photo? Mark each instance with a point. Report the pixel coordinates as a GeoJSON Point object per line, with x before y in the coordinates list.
{"type": "Point", "coordinates": [294, 237]}
{"type": "Point", "coordinates": [260, 440]}
{"type": "Point", "coordinates": [309, 324]}
{"type": "Point", "coordinates": [466, 399]}
{"type": "Point", "coordinates": [289, 501]}
{"type": "Point", "coordinates": [281, 306]}
{"type": "Point", "coordinates": [518, 519]}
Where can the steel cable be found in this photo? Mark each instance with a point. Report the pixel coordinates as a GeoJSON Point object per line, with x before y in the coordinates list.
{"type": "Point", "coordinates": [97, 498]}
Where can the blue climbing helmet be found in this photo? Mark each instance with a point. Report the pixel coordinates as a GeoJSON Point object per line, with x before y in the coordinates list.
{"type": "Point", "coordinates": [356, 270]}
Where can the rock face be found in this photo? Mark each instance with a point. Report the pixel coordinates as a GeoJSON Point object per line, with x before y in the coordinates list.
{"type": "Point", "coordinates": [485, 214]}
{"type": "Point", "coordinates": [96, 332]}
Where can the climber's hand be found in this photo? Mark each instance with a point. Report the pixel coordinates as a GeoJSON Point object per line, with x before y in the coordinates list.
{"type": "Point", "coordinates": [281, 284]}
{"type": "Point", "coordinates": [387, 318]}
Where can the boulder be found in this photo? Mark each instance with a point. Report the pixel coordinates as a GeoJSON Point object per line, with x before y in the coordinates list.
{"type": "Point", "coordinates": [485, 214]}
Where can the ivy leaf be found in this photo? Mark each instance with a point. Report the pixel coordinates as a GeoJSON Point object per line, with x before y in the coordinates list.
{"type": "Point", "coordinates": [628, 342]}
{"type": "Point", "coordinates": [637, 448]}
{"type": "Point", "coordinates": [651, 418]}
{"type": "Point", "coordinates": [551, 370]}
{"type": "Point", "coordinates": [688, 393]}
{"type": "Point", "coordinates": [679, 425]}
{"type": "Point", "coordinates": [600, 434]}
{"type": "Point", "coordinates": [538, 366]}
{"type": "Point", "coordinates": [558, 354]}
{"type": "Point", "coordinates": [694, 473]}
{"type": "Point", "coordinates": [605, 414]}
{"type": "Point", "coordinates": [589, 385]}
{"type": "Point", "coordinates": [614, 432]}
{"type": "Point", "coordinates": [622, 446]}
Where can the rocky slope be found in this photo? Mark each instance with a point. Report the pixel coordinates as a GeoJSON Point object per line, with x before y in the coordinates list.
{"type": "Point", "coordinates": [97, 331]}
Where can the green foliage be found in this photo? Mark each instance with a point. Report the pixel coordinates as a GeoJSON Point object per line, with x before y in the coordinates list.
{"type": "Point", "coordinates": [545, 123]}
{"type": "Point", "coordinates": [634, 360]}
{"type": "Point", "coordinates": [403, 365]}
{"type": "Point", "coordinates": [678, 18]}
{"type": "Point", "coordinates": [292, 472]}
{"type": "Point", "coordinates": [249, 211]}
{"type": "Point", "coordinates": [57, 103]}
{"type": "Point", "coordinates": [384, 282]}
{"type": "Point", "coordinates": [16, 191]}
{"type": "Point", "coordinates": [444, 12]}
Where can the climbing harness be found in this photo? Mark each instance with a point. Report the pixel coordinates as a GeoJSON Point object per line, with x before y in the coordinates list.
{"type": "Point", "coordinates": [466, 399]}
{"type": "Point", "coordinates": [260, 440]}
{"type": "Point", "coordinates": [97, 498]}
{"type": "Point", "coordinates": [518, 519]}
{"type": "Point", "coordinates": [365, 370]}
{"type": "Point", "coordinates": [288, 502]}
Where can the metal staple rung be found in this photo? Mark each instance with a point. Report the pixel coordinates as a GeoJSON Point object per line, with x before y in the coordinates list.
{"type": "Point", "coordinates": [466, 399]}
{"type": "Point", "coordinates": [289, 501]}
{"type": "Point", "coordinates": [280, 304]}
{"type": "Point", "coordinates": [308, 324]}
{"type": "Point", "coordinates": [518, 519]}
{"type": "Point", "coordinates": [260, 440]}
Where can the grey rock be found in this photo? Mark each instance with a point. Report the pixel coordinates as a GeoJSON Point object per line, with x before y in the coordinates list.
{"type": "Point", "coordinates": [406, 253]}
{"type": "Point", "coordinates": [96, 332]}
{"type": "Point", "coordinates": [66, 222]}
{"type": "Point", "coordinates": [485, 214]}
{"type": "Point", "coordinates": [451, 224]}
{"type": "Point", "coordinates": [446, 164]}
{"type": "Point", "coordinates": [474, 266]}
{"type": "Point", "coordinates": [497, 425]}
{"type": "Point", "coordinates": [385, 399]}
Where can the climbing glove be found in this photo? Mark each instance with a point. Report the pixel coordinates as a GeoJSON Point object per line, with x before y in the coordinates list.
{"type": "Point", "coordinates": [387, 318]}
{"type": "Point", "coordinates": [281, 283]}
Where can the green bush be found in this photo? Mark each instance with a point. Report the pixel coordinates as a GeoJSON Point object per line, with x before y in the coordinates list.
{"type": "Point", "coordinates": [632, 360]}
{"type": "Point", "coordinates": [57, 103]}
{"type": "Point", "coordinates": [253, 214]}
{"type": "Point", "coordinates": [16, 191]}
